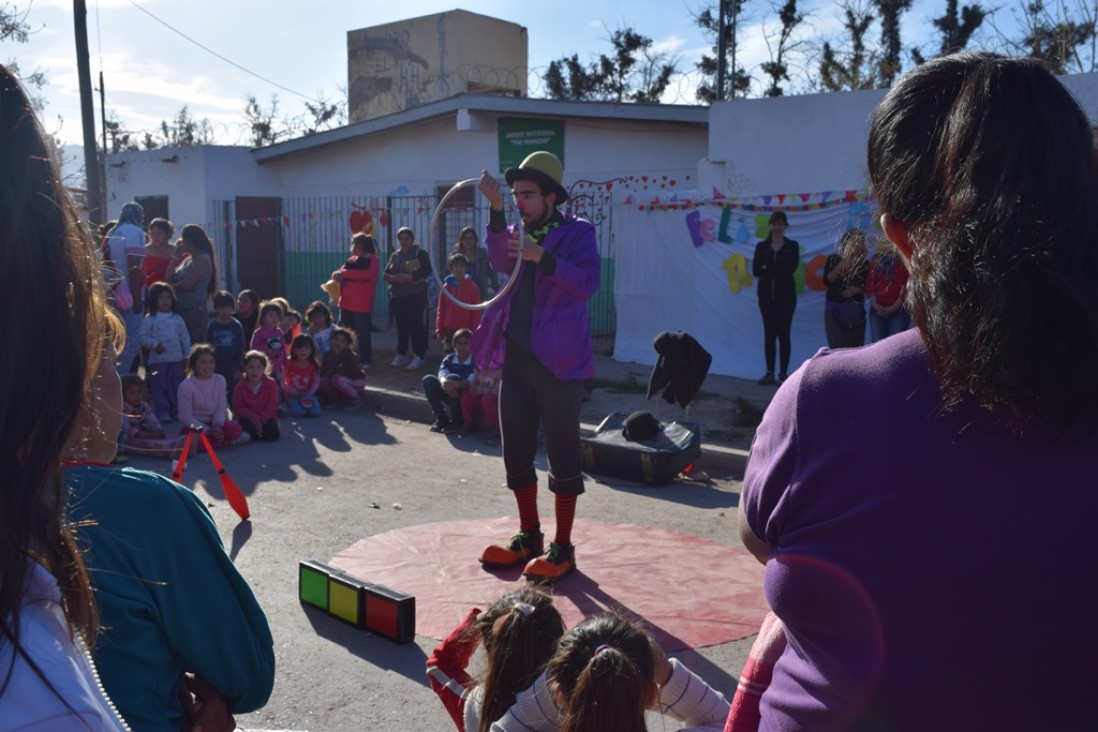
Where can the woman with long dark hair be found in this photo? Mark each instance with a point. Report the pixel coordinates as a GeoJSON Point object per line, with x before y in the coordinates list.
{"type": "Point", "coordinates": [776, 259]}
{"type": "Point", "coordinates": [931, 565]}
{"type": "Point", "coordinates": [195, 280]}
{"type": "Point", "coordinates": [52, 279]}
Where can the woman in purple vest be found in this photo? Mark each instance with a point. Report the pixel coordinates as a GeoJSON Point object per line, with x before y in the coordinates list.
{"type": "Point", "coordinates": [925, 506]}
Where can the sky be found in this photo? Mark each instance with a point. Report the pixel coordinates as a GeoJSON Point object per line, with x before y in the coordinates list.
{"type": "Point", "coordinates": [300, 49]}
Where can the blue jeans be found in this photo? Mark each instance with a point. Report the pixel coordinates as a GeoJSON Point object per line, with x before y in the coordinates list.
{"type": "Point", "coordinates": [880, 327]}
{"type": "Point", "coordinates": [297, 409]}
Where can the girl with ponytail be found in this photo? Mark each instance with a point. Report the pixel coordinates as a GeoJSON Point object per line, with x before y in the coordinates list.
{"type": "Point", "coordinates": [519, 632]}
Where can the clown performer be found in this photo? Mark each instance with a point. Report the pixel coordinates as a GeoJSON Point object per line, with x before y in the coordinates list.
{"type": "Point", "coordinates": [540, 335]}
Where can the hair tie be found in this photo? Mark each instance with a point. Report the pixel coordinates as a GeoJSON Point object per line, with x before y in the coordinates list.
{"type": "Point", "coordinates": [602, 648]}
{"type": "Point", "coordinates": [524, 607]}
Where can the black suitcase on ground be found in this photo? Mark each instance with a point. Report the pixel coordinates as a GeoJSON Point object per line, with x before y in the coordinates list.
{"type": "Point", "coordinates": [654, 461]}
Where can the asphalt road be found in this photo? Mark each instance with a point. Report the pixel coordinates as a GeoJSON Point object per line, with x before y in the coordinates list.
{"type": "Point", "coordinates": [310, 497]}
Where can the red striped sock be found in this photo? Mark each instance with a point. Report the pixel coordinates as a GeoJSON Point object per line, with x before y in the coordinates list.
{"type": "Point", "coordinates": [527, 499]}
{"type": "Point", "coordinates": [566, 514]}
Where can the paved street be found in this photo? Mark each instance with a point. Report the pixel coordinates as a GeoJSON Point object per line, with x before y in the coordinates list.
{"type": "Point", "coordinates": [311, 496]}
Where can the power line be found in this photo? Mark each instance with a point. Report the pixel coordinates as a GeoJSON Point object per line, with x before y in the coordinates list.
{"type": "Point", "coordinates": [218, 55]}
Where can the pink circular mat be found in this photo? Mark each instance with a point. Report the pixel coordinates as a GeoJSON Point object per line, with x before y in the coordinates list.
{"type": "Point", "coordinates": [692, 592]}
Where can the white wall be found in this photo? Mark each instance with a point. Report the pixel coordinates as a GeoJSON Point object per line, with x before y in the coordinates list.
{"type": "Point", "coordinates": [417, 159]}
{"type": "Point", "coordinates": [807, 144]}
{"type": "Point", "coordinates": [191, 178]}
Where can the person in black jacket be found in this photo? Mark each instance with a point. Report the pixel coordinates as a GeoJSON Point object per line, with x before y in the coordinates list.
{"type": "Point", "coordinates": [776, 259]}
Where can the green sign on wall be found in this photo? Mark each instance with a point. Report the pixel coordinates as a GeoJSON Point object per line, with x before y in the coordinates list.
{"type": "Point", "coordinates": [520, 136]}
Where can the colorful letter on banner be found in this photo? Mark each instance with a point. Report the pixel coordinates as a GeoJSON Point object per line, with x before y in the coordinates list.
{"type": "Point", "coordinates": [736, 267]}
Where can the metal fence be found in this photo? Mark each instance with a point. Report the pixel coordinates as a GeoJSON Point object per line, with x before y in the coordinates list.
{"type": "Point", "coordinates": [290, 246]}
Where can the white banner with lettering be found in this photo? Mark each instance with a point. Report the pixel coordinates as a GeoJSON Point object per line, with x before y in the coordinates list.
{"type": "Point", "coordinates": [687, 266]}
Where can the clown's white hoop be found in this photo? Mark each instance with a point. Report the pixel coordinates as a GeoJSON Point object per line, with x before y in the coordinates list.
{"type": "Point", "coordinates": [434, 258]}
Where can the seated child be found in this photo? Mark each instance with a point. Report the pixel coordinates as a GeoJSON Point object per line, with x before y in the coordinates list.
{"type": "Point", "coordinates": [604, 674]}
{"type": "Point", "coordinates": [341, 376]}
{"type": "Point", "coordinates": [202, 402]}
{"type": "Point", "coordinates": [141, 432]}
{"type": "Point", "coordinates": [450, 317]}
{"type": "Point", "coordinates": [444, 391]}
{"type": "Point", "coordinates": [320, 326]}
{"type": "Point", "coordinates": [519, 632]}
{"type": "Point", "coordinates": [268, 338]}
{"type": "Point", "coordinates": [479, 402]}
{"type": "Point", "coordinates": [226, 335]}
{"type": "Point", "coordinates": [301, 380]}
{"type": "Point", "coordinates": [255, 399]}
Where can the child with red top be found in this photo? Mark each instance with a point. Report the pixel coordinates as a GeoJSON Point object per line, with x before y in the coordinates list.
{"type": "Point", "coordinates": [452, 318]}
{"type": "Point", "coordinates": [341, 375]}
{"type": "Point", "coordinates": [886, 288]}
{"type": "Point", "coordinates": [255, 399]}
{"type": "Point", "coordinates": [357, 280]}
{"type": "Point", "coordinates": [267, 338]}
{"type": "Point", "coordinates": [301, 378]}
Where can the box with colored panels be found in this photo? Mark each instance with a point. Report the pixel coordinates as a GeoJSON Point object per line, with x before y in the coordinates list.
{"type": "Point", "coordinates": [362, 604]}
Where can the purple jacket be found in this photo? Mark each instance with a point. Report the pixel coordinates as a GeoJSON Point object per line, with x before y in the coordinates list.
{"type": "Point", "coordinates": [561, 330]}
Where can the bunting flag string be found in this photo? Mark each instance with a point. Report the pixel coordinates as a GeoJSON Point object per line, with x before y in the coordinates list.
{"type": "Point", "coordinates": [769, 203]}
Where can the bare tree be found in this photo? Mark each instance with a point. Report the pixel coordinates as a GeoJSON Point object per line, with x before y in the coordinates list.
{"type": "Point", "coordinates": [777, 67]}
{"type": "Point", "coordinates": [184, 130]}
{"type": "Point", "coordinates": [852, 65]}
{"type": "Point", "coordinates": [634, 72]}
{"type": "Point", "coordinates": [265, 128]}
{"type": "Point", "coordinates": [956, 26]}
{"type": "Point", "coordinates": [891, 46]}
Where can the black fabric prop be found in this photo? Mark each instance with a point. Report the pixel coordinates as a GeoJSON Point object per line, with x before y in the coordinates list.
{"type": "Point", "coordinates": [681, 368]}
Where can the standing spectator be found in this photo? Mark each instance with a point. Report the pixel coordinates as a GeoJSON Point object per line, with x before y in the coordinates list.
{"type": "Point", "coordinates": [540, 335]}
{"type": "Point", "coordinates": [165, 336]}
{"type": "Point", "coordinates": [407, 273]}
{"type": "Point", "coordinates": [123, 253]}
{"type": "Point", "coordinates": [844, 306]}
{"type": "Point", "coordinates": [452, 318]}
{"type": "Point", "coordinates": [226, 335]}
{"type": "Point", "coordinates": [479, 269]}
{"type": "Point", "coordinates": [776, 259]}
{"type": "Point", "coordinates": [195, 280]}
{"type": "Point", "coordinates": [886, 286]}
{"type": "Point", "coordinates": [247, 312]}
{"type": "Point", "coordinates": [159, 252]}
{"type": "Point", "coordinates": [357, 280]}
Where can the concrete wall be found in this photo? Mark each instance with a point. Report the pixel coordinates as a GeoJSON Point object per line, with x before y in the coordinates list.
{"type": "Point", "coordinates": [807, 144]}
{"type": "Point", "coordinates": [401, 65]}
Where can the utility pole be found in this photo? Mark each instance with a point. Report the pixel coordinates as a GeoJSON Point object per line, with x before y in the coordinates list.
{"type": "Point", "coordinates": [87, 114]}
{"type": "Point", "coordinates": [721, 52]}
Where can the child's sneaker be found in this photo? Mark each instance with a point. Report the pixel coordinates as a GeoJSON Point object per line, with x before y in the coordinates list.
{"type": "Point", "coordinates": [244, 439]}
{"type": "Point", "coordinates": [399, 360]}
{"type": "Point", "coordinates": [524, 546]}
{"type": "Point", "coordinates": [557, 564]}
{"type": "Point", "coordinates": [416, 363]}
